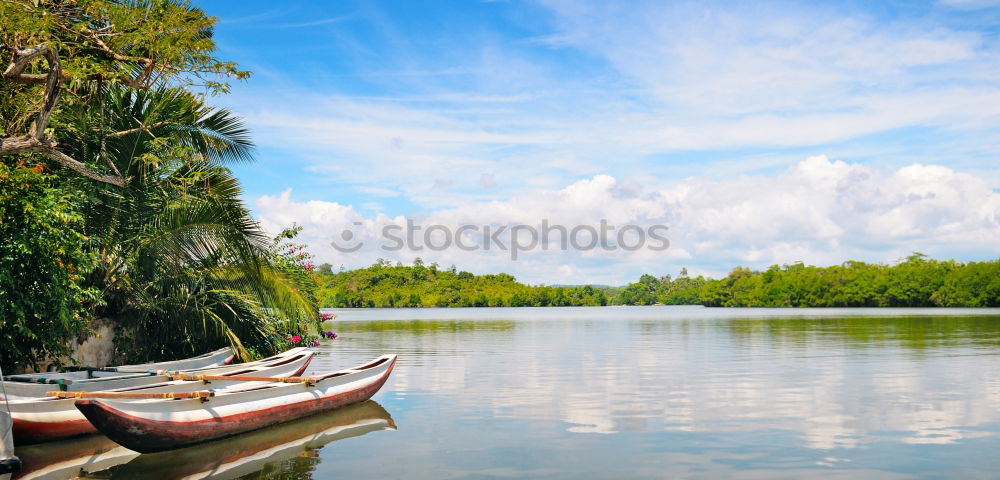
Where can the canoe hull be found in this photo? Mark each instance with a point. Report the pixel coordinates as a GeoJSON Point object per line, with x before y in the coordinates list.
{"type": "Point", "coordinates": [48, 419]}
{"type": "Point", "coordinates": [19, 390]}
{"type": "Point", "coordinates": [27, 432]}
{"type": "Point", "coordinates": [144, 434]}
{"type": "Point", "coordinates": [220, 357]}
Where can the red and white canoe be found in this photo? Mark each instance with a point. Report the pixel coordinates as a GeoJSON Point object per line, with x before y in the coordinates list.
{"type": "Point", "coordinates": [33, 385]}
{"type": "Point", "coordinates": [102, 381]}
{"type": "Point", "coordinates": [222, 356]}
{"type": "Point", "coordinates": [157, 425]}
{"type": "Point", "coordinates": [46, 419]}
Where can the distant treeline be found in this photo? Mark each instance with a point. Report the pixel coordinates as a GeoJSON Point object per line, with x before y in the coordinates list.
{"type": "Point", "coordinates": [386, 285]}
{"type": "Point", "coordinates": [914, 282]}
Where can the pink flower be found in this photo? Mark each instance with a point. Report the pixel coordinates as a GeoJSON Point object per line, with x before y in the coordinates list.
{"type": "Point", "coordinates": [296, 339]}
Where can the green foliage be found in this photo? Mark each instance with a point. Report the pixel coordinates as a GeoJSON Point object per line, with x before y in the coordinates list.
{"type": "Point", "coordinates": [183, 267]}
{"type": "Point", "coordinates": [384, 285]}
{"type": "Point", "coordinates": [42, 263]}
{"type": "Point", "coordinates": [914, 282]}
{"type": "Point", "coordinates": [296, 265]}
{"type": "Point", "coordinates": [118, 42]}
{"type": "Point", "coordinates": [179, 263]}
{"type": "Point", "coordinates": [649, 291]}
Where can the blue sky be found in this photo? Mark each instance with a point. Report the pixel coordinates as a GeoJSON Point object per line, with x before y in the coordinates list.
{"type": "Point", "coordinates": [760, 133]}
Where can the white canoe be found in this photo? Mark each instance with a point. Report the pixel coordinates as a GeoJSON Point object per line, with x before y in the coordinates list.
{"type": "Point", "coordinates": [156, 425]}
{"type": "Point", "coordinates": [45, 419]}
{"type": "Point", "coordinates": [101, 381]}
{"type": "Point", "coordinates": [222, 356]}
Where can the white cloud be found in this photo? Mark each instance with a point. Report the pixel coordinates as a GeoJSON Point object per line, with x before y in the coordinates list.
{"type": "Point", "coordinates": [818, 211]}
{"type": "Point", "coordinates": [614, 86]}
{"type": "Point", "coordinates": [602, 112]}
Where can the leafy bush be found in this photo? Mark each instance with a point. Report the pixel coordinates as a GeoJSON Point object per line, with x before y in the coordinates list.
{"type": "Point", "coordinates": [42, 264]}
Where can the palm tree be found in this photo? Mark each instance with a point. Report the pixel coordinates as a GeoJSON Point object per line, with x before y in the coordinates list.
{"type": "Point", "coordinates": [183, 265]}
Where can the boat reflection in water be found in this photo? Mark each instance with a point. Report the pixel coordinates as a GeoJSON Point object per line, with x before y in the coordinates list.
{"type": "Point", "coordinates": [251, 452]}
{"type": "Point", "coordinates": [70, 458]}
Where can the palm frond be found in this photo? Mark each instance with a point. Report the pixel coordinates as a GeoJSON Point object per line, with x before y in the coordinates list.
{"type": "Point", "coordinates": [183, 261]}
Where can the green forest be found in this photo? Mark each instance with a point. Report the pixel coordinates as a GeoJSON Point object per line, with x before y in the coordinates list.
{"type": "Point", "coordinates": [117, 202]}
{"type": "Point", "coordinates": [419, 285]}
{"type": "Point", "coordinates": [914, 282]}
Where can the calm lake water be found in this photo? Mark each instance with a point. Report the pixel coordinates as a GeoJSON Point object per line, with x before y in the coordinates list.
{"type": "Point", "coordinates": [625, 392]}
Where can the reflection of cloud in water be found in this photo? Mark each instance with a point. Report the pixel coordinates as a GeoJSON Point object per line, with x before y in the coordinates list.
{"type": "Point", "coordinates": [836, 383]}
{"type": "Point", "coordinates": [727, 466]}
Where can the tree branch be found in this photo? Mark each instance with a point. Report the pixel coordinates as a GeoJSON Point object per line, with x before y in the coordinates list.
{"type": "Point", "coordinates": [140, 82]}
{"type": "Point", "coordinates": [140, 128]}
{"type": "Point", "coordinates": [29, 144]}
{"type": "Point", "coordinates": [15, 71]}
{"type": "Point", "coordinates": [53, 86]}
{"type": "Point", "coordinates": [107, 158]}
{"type": "Point", "coordinates": [26, 8]}
{"type": "Point", "coordinates": [37, 142]}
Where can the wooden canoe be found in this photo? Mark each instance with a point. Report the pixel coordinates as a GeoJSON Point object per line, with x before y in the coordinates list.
{"type": "Point", "coordinates": [222, 356]}
{"type": "Point", "coordinates": [112, 380]}
{"type": "Point", "coordinates": [47, 419]}
{"type": "Point", "coordinates": [157, 425]}
{"type": "Point", "coordinates": [36, 384]}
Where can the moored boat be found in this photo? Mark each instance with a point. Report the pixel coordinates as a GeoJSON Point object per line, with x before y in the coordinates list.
{"type": "Point", "coordinates": [46, 419]}
{"type": "Point", "coordinates": [222, 356]}
{"type": "Point", "coordinates": [157, 425]}
{"type": "Point", "coordinates": [98, 381]}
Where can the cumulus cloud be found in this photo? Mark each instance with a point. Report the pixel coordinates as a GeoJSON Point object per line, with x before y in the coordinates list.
{"type": "Point", "coordinates": [818, 211]}
{"type": "Point", "coordinates": [626, 87]}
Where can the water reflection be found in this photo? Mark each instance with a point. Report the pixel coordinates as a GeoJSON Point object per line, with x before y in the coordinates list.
{"type": "Point", "coordinates": [912, 333]}
{"type": "Point", "coordinates": [70, 458]}
{"type": "Point", "coordinates": [637, 393]}
{"type": "Point", "coordinates": [287, 450]}
{"type": "Point", "coordinates": [836, 386]}
{"type": "Point", "coordinates": [430, 326]}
